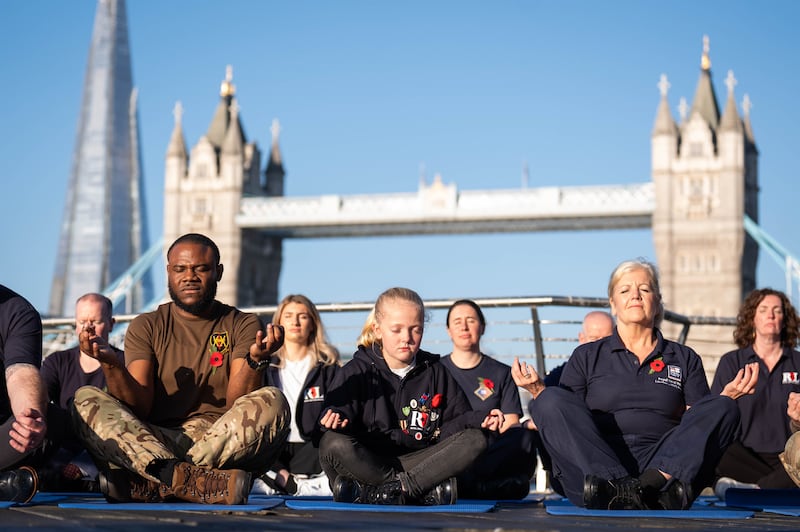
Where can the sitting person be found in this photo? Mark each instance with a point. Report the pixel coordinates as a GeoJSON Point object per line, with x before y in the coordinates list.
{"type": "Point", "coordinates": [303, 370]}
{"type": "Point", "coordinates": [23, 426]}
{"type": "Point", "coordinates": [394, 412]}
{"type": "Point", "coordinates": [632, 424]}
{"type": "Point", "coordinates": [767, 330]}
{"type": "Point", "coordinates": [504, 471]}
{"type": "Point", "coordinates": [187, 418]}
{"type": "Point", "coordinates": [70, 468]}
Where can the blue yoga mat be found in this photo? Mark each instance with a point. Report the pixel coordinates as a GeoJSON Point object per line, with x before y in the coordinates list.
{"type": "Point", "coordinates": [757, 499]}
{"type": "Point", "coordinates": [264, 504]}
{"type": "Point", "coordinates": [460, 507]}
{"type": "Point", "coordinates": [564, 507]}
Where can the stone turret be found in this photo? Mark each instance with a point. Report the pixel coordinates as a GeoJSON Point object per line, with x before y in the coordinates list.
{"type": "Point", "coordinates": [203, 196]}
{"type": "Point", "coordinates": [705, 180]}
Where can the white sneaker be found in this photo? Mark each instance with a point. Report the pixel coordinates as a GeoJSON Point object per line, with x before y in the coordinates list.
{"type": "Point", "coordinates": [260, 488]}
{"type": "Point", "coordinates": [725, 483]}
{"type": "Point", "coordinates": [316, 485]}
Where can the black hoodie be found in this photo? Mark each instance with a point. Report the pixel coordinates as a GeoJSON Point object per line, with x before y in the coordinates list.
{"type": "Point", "coordinates": [395, 416]}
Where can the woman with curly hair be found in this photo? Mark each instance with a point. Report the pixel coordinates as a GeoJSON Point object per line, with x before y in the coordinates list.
{"type": "Point", "coordinates": [767, 330]}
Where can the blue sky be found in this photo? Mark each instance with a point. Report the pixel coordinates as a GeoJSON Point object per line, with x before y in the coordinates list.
{"type": "Point", "coordinates": [367, 92]}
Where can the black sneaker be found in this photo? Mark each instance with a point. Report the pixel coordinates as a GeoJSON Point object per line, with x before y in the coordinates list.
{"type": "Point", "coordinates": [616, 494]}
{"type": "Point", "coordinates": [676, 496]}
{"type": "Point", "coordinates": [18, 485]}
{"type": "Point", "coordinates": [442, 493]}
{"type": "Point", "coordinates": [350, 490]}
{"type": "Point", "coordinates": [346, 489]}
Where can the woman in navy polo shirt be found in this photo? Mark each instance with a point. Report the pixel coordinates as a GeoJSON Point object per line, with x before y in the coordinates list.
{"type": "Point", "coordinates": [504, 471]}
{"type": "Point", "coordinates": [767, 330]}
{"type": "Point", "coordinates": [632, 425]}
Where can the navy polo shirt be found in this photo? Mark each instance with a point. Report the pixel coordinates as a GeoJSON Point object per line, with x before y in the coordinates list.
{"type": "Point", "coordinates": [764, 422]}
{"type": "Point", "coordinates": [488, 385]}
{"type": "Point", "coordinates": [639, 402]}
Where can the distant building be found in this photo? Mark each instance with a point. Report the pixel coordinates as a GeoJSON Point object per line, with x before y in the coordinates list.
{"type": "Point", "coordinates": [104, 228]}
{"type": "Point", "coordinates": [202, 192]}
{"type": "Point", "coordinates": [705, 172]}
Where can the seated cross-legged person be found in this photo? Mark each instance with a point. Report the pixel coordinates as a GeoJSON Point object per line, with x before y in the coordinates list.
{"type": "Point", "coordinates": [398, 427]}
{"type": "Point", "coordinates": [187, 417]}
{"type": "Point", "coordinates": [767, 330]}
{"type": "Point", "coordinates": [632, 424]}
{"type": "Point", "coordinates": [504, 471]}
{"type": "Point", "coordinates": [303, 370]}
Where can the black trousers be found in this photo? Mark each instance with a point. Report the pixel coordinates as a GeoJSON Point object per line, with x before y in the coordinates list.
{"type": "Point", "coordinates": [689, 451]}
{"type": "Point", "coordinates": [418, 471]}
{"type": "Point", "coordinates": [746, 465]}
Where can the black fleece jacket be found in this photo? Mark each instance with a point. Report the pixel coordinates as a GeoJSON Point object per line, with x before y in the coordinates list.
{"type": "Point", "coordinates": [395, 416]}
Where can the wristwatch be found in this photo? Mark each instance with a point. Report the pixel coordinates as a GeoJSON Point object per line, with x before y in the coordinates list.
{"type": "Point", "coordinates": [258, 366]}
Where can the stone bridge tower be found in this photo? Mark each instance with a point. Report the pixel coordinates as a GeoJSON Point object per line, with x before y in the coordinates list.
{"type": "Point", "coordinates": [705, 173]}
{"type": "Point", "coordinates": [202, 194]}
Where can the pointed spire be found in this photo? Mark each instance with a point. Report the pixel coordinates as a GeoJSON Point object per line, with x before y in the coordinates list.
{"type": "Point", "coordinates": [730, 117]}
{"type": "Point", "coordinates": [219, 123]}
{"type": "Point", "coordinates": [233, 143]}
{"type": "Point", "coordinates": [748, 127]}
{"type": "Point", "coordinates": [275, 157]}
{"type": "Point", "coordinates": [664, 123]}
{"type": "Point", "coordinates": [274, 171]}
{"type": "Point", "coordinates": [705, 99]}
{"type": "Point", "coordinates": [177, 144]}
{"type": "Point", "coordinates": [683, 109]}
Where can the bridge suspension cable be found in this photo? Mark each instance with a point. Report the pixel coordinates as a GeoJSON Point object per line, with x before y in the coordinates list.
{"type": "Point", "coordinates": [781, 255]}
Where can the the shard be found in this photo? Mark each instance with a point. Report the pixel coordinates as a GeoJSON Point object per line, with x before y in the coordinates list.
{"type": "Point", "coordinates": [104, 229]}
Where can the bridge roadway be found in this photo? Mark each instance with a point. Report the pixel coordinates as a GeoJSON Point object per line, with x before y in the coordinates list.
{"type": "Point", "coordinates": [440, 208]}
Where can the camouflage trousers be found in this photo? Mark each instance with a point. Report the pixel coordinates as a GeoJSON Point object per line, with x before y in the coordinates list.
{"type": "Point", "coordinates": [790, 457]}
{"type": "Point", "coordinates": [249, 436]}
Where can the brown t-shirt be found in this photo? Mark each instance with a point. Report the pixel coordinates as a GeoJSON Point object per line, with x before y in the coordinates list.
{"type": "Point", "coordinates": [183, 350]}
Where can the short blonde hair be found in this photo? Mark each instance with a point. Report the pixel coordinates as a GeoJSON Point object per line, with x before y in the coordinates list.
{"type": "Point", "coordinates": [652, 273]}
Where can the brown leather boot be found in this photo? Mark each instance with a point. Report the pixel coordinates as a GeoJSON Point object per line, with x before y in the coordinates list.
{"type": "Point", "coordinates": [210, 486]}
{"type": "Point", "coordinates": [121, 485]}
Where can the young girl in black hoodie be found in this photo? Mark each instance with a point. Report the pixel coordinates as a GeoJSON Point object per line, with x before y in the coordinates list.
{"type": "Point", "coordinates": [398, 426]}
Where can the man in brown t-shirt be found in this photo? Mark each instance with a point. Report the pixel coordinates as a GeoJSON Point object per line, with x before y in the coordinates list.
{"type": "Point", "coordinates": [186, 417]}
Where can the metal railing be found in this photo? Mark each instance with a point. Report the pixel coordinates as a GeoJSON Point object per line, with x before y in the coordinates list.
{"type": "Point", "coordinates": [540, 329]}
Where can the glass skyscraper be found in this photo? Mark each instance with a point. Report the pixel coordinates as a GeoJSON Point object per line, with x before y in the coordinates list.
{"type": "Point", "coordinates": [104, 229]}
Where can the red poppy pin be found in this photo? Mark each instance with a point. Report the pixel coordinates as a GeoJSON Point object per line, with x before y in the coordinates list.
{"type": "Point", "coordinates": [488, 383]}
{"type": "Point", "coordinates": [218, 345]}
{"type": "Point", "coordinates": [436, 401]}
{"type": "Point", "coordinates": [656, 366]}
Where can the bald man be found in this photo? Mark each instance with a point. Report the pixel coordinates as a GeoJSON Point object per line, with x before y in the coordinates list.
{"type": "Point", "coordinates": [596, 324]}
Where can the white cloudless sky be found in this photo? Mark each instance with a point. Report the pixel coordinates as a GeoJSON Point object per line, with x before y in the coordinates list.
{"type": "Point", "coordinates": [368, 93]}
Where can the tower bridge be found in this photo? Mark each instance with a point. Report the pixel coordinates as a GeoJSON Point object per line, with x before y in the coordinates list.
{"type": "Point", "coordinates": [442, 209]}
{"type": "Point", "coordinates": [701, 202]}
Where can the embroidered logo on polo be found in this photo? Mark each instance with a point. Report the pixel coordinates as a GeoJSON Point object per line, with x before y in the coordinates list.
{"type": "Point", "coordinates": [313, 394]}
{"type": "Point", "coordinates": [674, 372]}
{"type": "Point", "coordinates": [485, 388]}
{"type": "Point", "coordinates": [790, 377]}
{"type": "Point", "coordinates": [421, 416]}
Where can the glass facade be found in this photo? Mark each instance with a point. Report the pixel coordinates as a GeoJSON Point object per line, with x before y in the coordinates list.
{"type": "Point", "coordinates": [104, 229]}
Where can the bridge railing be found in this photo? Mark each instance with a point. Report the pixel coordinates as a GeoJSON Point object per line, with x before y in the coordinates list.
{"type": "Point", "coordinates": [541, 330]}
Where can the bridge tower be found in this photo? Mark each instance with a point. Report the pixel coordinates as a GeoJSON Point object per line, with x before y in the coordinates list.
{"type": "Point", "coordinates": [705, 173]}
{"type": "Point", "coordinates": [202, 193]}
